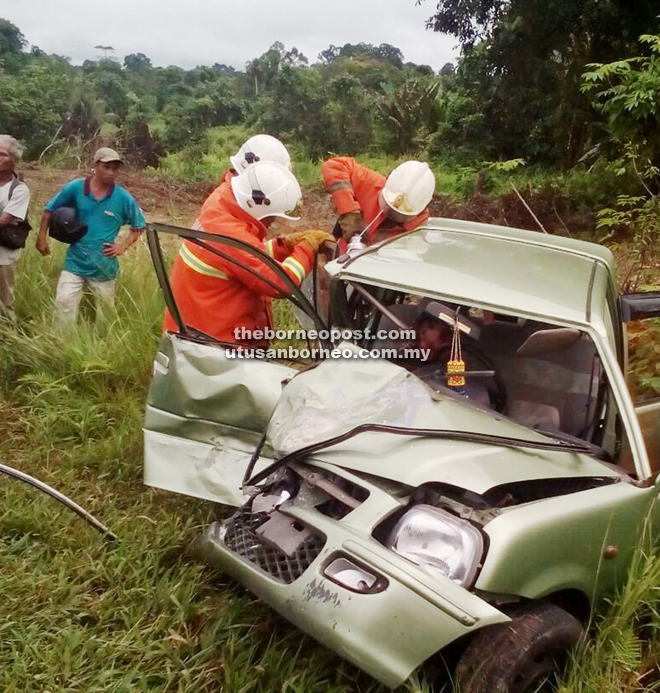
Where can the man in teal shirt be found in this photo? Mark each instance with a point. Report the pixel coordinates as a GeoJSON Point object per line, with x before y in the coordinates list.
{"type": "Point", "coordinates": [104, 207]}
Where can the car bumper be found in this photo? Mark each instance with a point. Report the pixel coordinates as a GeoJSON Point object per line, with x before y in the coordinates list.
{"type": "Point", "coordinates": [386, 634]}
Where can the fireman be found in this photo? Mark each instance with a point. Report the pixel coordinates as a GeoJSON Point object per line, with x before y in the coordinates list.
{"type": "Point", "coordinates": [216, 295]}
{"type": "Point", "coordinates": [366, 200]}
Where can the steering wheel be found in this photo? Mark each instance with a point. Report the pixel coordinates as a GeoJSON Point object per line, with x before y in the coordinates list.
{"type": "Point", "coordinates": [497, 390]}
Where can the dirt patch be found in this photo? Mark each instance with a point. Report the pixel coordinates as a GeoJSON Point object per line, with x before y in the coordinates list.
{"type": "Point", "coordinates": [161, 199]}
{"type": "Point", "coordinates": [178, 202]}
{"type": "Point", "coordinates": [552, 211]}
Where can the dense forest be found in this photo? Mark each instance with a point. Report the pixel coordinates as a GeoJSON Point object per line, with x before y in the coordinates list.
{"type": "Point", "coordinates": [525, 87]}
{"type": "Point", "coordinates": [557, 85]}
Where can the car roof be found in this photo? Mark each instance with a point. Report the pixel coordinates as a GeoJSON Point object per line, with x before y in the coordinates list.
{"type": "Point", "coordinates": [495, 267]}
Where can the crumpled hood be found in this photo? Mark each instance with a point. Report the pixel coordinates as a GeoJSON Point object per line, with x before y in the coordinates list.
{"type": "Point", "coordinates": [339, 395]}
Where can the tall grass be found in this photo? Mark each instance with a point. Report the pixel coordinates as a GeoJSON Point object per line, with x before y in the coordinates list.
{"type": "Point", "coordinates": [142, 615]}
{"type": "Point", "coordinates": [209, 159]}
{"type": "Point", "coordinates": [624, 650]}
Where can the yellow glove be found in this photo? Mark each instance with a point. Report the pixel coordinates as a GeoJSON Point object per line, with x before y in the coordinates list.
{"type": "Point", "coordinates": [315, 238]}
{"type": "Point", "coordinates": [292, 239]}
{"type": "Point", "coordinates": [350, 224]}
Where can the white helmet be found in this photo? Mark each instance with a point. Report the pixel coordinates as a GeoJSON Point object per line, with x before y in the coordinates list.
{"type": "Point", "coordinates": [267, 189]}
{"type": "Point", "coordinates": [260, 148]}
{"type": "Point", "coordinates": [409, 189]}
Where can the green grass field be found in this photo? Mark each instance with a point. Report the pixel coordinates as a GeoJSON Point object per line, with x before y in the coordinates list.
{"type": "Point", "coordinates": [77, 614]}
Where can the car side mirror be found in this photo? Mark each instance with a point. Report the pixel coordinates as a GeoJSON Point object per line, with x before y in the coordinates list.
{"type": "Point", "coordinates": [640, 306]}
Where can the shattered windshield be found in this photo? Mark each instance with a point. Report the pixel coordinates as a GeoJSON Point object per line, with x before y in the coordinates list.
{"type": "Point", "coordinates": [442, 365]}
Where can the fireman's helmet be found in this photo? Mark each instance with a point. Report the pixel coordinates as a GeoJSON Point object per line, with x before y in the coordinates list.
{"type": "Point", "coordinates": [260, 148]}
{"type": "Point", "coordinates": [267, 189]}
{"type": "Point", "coordinates": [408, 189]}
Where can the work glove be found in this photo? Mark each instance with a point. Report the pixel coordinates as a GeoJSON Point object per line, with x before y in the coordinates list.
{"type": "Point", "coordinates": [292, 239]}
{"type": "Point", "coordinates": [316, 237]}
{"type": "Point", "coordinates": [350, 224]}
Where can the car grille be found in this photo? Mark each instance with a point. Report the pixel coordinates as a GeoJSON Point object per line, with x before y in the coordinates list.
{"type": "Point", "coordinates": [241, 538]}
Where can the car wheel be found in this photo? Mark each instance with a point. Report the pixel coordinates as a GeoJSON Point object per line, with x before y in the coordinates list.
{"type": "Point", "coordinates": [522, 656]}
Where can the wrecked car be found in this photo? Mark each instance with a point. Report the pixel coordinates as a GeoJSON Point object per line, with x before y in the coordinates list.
{"type": "Point", "coordinates": [390, 514]}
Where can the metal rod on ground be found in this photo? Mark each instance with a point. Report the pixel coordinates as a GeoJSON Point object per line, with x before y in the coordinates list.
{"type": "Point", "coordinates": [81, 512]}
{"type": "Point", "coordinates": [527, 207]}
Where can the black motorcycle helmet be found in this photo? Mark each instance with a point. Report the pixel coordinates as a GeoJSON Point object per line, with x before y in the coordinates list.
{"type": "Point", "coordinates": [64, 226]}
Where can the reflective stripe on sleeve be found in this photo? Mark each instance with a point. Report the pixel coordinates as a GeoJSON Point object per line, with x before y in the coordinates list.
{"type": "Point", "coordinates": [296, 267]}
{"type": "Point", "coordinates": [198, 266]}
{"type": "Point", "coordinates": [339, 185]}
{"type": "Point", "coordinates": [270, 247]}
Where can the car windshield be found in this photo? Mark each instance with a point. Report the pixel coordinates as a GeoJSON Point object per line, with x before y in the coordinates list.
{"type": "Point", "coordinates": [546, 377]}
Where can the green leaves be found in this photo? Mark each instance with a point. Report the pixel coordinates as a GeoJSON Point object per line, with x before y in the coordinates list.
{"type": "Point", "coordinates": [626, 91]}
{"type": "Point", "coordinates": [409, 108]}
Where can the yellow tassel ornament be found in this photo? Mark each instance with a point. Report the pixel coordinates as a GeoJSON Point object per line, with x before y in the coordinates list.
{"type": "Point", "coordinates": [456, 365]}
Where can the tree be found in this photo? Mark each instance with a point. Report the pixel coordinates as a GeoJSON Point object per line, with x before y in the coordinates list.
{"type": "Point", "coordinates": [137, 62]}
{"type": "Point", "coordinates": [468, 20]}
{"type": "Point", "coordinates": [223, 69]}
{"type": "Point", "coordinates": [11, 39]}
{"type": "Point", "coordinates": [141, 146]}
{"type": "Point", "coordinates": [461, 133]}
{"type": "Point", "coordinates": [294, 58]}
{"type": "Point", "coordinates": [296, 109]}
{"type": "Point", "coordinates": [84, 118]}
{"type": "Point", "coordinates": [390, 53]}
{"type": "Point", "coordinates": [113, 90]}
{"type": "Point", "coordinates": [106, 50]}
{"type": "Point", "coordinates": [352, 110]}
{"type": "Point", "coordinates": [329, 55]}
{"type": "Point", "coordinates": [409, 109]}
{"type": "Point", "coordinates": [169, 85]}
{"type": "Point", "coordinates": [264, 69]}
{"type": "Point", "coordinates": [208, 105]}
{"type": "Point", "coordinates": [516, 52]}
{"type": "Point", "coordinates": [626, 91]}
{"type": "Point", "coordinates": [12, 43]}
{"type": "Point", "coordinates": [33, 106]}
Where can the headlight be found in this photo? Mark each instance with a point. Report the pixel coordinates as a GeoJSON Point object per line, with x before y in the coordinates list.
{"type": "Point", "coordinates": [429, 536]}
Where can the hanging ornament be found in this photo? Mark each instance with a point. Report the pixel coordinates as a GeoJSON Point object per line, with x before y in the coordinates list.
{"type": "Point", "coordinates": [456, 365]}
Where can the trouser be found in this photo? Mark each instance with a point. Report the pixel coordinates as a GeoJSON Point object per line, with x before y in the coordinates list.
{"type": "Point", "coordinates": [7, 279]}
{"type": "Point", "coordinates": [69, 292]}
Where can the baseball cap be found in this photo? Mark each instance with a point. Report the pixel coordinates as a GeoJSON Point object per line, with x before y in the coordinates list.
{"type": "Point", "coordinates": [105, 155]}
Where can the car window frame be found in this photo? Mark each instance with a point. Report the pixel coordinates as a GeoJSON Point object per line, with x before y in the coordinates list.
{"type": "Point", "coordinates": [204, 239]}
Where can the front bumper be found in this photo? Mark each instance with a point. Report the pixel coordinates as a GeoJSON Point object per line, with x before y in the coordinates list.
{"type": "Point", "coordinates": [387, 634]}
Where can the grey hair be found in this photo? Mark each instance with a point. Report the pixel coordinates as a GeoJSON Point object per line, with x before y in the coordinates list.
{"type": "Point", "coordinates": [13, 146]}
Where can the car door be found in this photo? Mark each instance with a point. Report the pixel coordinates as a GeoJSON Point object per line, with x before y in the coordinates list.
{"type": "Point", "coordinates": [207, 407]}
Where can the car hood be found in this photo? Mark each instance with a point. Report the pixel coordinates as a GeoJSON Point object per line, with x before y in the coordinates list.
{"type": "Point", "coordinates": [338, 395]}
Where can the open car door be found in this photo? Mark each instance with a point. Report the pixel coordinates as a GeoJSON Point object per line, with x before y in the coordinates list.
{"type": "Point", "coordinates": [207, 410]}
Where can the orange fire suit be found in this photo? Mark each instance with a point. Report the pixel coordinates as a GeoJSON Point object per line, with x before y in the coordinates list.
{"type": "Point", "coordinates": [356, 188]}
{"type": "Point", "coordinates": [215, 295]}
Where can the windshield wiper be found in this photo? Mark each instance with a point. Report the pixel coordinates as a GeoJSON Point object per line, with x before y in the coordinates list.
{"type": "Point", "coordinates": [577, 447]}
{"type": "Point", "coordinates": [594, 449]}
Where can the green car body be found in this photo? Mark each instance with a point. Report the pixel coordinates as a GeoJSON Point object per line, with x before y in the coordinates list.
{"type": "Point", "coordinates": [546, 521]}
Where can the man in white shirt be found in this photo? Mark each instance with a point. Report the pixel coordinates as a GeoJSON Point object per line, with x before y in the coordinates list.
{"type": "Point", "coordinates": [14, 201]}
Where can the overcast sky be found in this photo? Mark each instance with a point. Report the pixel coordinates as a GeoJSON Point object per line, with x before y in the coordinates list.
{"type": "Point", "coordinates": [202, 32]}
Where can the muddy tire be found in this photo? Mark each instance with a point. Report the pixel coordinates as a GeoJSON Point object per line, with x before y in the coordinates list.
{"type": "Point", "coordinates": [522, 656]}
